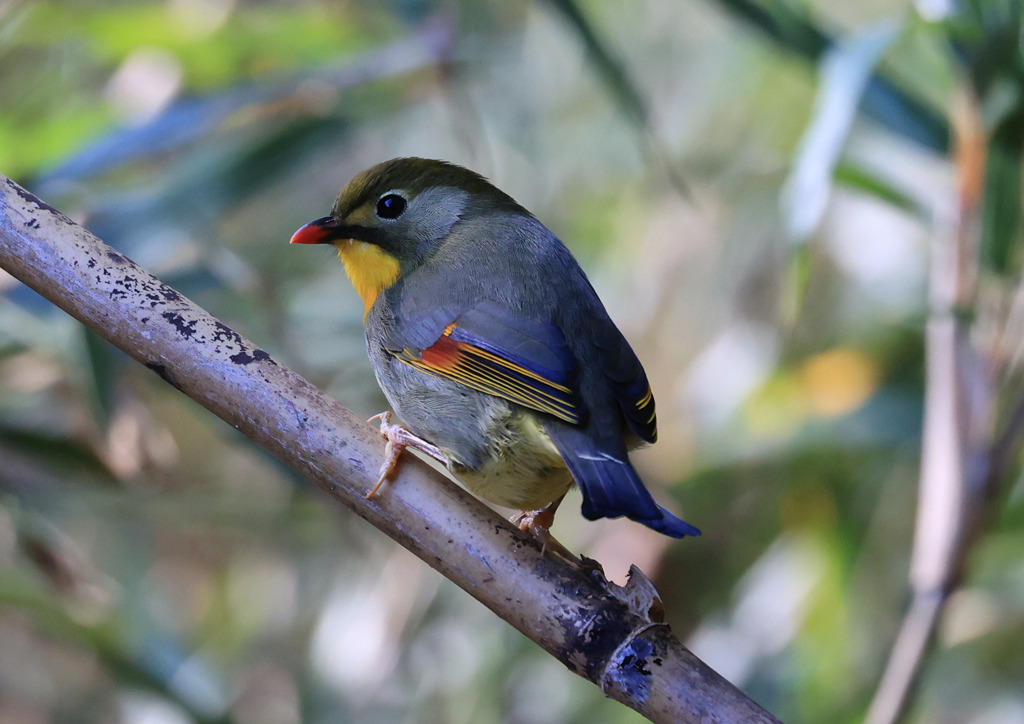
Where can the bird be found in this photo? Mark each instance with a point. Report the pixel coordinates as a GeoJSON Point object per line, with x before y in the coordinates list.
{"type": "Point", "coordinates": [491, 345]}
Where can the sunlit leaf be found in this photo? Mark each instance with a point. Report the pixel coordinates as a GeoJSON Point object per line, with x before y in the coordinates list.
{"type": "Point", "coordinates": [845, 72]}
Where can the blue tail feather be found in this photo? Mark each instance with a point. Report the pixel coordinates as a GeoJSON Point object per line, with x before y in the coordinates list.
{"type": "Point", "coordinates": [612, 488]}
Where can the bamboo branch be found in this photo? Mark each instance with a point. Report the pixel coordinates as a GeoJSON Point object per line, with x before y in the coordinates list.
{"type": "Point", "coordinates": [963, 457]}
{"type": "Point", "coordinates": [610, 635]}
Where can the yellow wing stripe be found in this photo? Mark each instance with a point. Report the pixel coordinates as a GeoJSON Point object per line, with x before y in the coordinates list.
{"type": "Point", "coordinates": [473, 366]}
{"type": "Point", "coordinates": [490, 356]}
{"type": "Point", "coordinates": [642, 403]}
{"type": "Point", "coordinates": [478, 377]}
{"type": "Point", "coordinates": [646, 400]}
{"type": "Point", "coordinates": [486, 381]}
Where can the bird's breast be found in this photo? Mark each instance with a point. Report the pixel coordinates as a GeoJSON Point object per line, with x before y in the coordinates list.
{"type": "Point", "coordinates": [523, 469]}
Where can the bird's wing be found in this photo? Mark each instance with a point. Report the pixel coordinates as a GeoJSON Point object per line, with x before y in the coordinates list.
{"type": "Point", "coordinates": [627, 379]}
{"type": "Point", "coordinates": [490, 349]}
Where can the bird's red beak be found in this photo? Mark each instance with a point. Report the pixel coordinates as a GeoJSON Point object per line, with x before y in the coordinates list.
{"type": "Point", "coordinates": [321, 231]}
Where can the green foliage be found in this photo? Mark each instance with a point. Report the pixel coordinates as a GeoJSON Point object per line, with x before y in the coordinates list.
{"type": "Point", "coordinates": [151, 558]}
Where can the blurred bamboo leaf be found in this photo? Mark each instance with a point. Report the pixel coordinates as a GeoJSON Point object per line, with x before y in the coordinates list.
{"type": "Point", "coordinates": [1002, 201]}
{"type": "Point", "coordinates": [856, 177]}
{"type": "Point", "coordinates": [104, 368]}
{"type": "Point", "coordinates": [799, 268]}
{"type": "Point", "coordinates": [626, 93]}
{"type": "Point", "coordinates": [308, 94]}
{"type": "Point", "coordinates": [883, 100]}
{"type": "Point", "coordinates": [10, 350]}
{"type": "Point", "coordinates": [783, 24]}
{"type": "Point", "coordinates": [986, 38]}
{"type": "Point", "coordinates": [845, 72]}
{"type": "Point", "coordinates": [610, 69]}
{"type": "Point", "coordinates": [54, 451]}
{"type": "Point", "coordinates": [146, 667]}
{"type": "Point", "coordinates": [985, 35]}
{"type": "Point", "coordinates": [76, 609]}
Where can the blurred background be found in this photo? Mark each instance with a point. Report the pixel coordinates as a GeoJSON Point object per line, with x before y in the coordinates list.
{"type": "Point", "coordinates": [754, 188]}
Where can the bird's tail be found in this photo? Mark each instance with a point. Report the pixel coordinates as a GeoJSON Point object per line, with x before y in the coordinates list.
{"type": "Point", "coordinates": [611, 486]}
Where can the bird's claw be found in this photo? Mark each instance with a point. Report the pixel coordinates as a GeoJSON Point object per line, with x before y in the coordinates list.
{"type": "Point", "coordinates": [398, 439]}
{"type": "Point", "coordinates": [535, 522]}
{"type": "Point", "coordinates": [538, 524]}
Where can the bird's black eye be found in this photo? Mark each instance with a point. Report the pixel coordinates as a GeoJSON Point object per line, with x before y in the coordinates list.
{"type": "Point", "coordinates": [390, 206]}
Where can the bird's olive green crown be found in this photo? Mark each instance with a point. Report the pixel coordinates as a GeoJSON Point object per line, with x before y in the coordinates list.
{"type": "Point", "coordinates": [409, 177]}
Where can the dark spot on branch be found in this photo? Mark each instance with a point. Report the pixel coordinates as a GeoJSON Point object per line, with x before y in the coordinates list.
{"type": "Point", "coordinates": [224, 333]}
{"type": "Point", "coordinates": [636, 663]}
{"type": "Point", "coordinates": [164, 374]}
{"type": "Point", "coordinates": [186, 328]}
{"type": "Point", "coordinates": [244, 358]}
{"type": "Point", "coordinates": [117, 258]}
{"type": "Point", "coordinates": [32, 223]}
{"type": "Point", "coordinates": [33, 199]}
{"type": "Point", "coordinates": [593, 631]}
{"type": "Point", "coordinates": [631, 674]}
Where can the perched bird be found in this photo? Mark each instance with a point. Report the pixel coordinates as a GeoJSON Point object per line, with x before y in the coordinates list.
{"type": "Point", "coordinates": [491, 345]}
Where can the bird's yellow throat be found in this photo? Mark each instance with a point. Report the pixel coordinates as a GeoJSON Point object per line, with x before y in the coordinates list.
{"type": "Point", "coordinates": [370, 268]}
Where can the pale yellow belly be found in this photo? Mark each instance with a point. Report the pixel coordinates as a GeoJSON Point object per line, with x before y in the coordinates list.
{"type": "Point", "coordinates": [526, 472]}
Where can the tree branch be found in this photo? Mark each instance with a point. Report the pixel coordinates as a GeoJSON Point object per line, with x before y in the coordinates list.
{"type": "Point", "coordinates": [964, 457]}
{"type": "Point", "coordinates": [607, 634]}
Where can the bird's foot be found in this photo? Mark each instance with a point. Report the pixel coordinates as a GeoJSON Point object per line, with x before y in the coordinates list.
{"type": "Point", "coordinates": [535, 522]}
{"type": "Point", "coordinates": [399, 438]}
{"type": "Point", "coordinates": [538, 524]}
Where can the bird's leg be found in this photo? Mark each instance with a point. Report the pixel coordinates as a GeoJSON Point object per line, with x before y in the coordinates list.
{"type": "Point", "coordinates": [399, 438]}
{"type": "Point", "coordinates": [538, 524]}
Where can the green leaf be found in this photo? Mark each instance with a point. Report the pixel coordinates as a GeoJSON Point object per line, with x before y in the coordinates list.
{"type": "Point", "coordinates": [1002, 200]}
{"type": "Point", "coordinates": [783, 24]}
{"type": "Point", "coordinates": [860, 179]}
{"type": "Point", "coordinates": [795, 283]}
{"type": "Point", "coordinates": [104, 367]}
